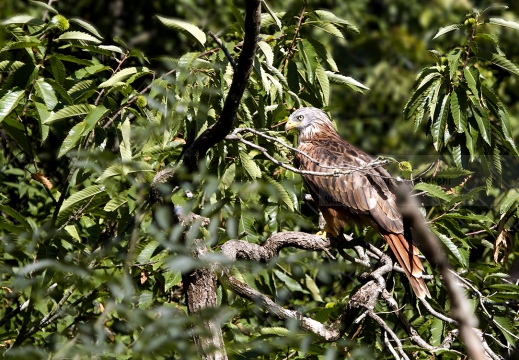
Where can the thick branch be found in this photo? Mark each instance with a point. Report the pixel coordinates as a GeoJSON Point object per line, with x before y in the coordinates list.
{"type": "Point", "coordinates": [217, 132]}
{"type": "Point", "coordinates": [461, 307]}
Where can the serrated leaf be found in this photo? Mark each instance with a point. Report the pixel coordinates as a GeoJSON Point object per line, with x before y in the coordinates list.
{"type": "Point", "coordinates": [283, 194]}
{"type": "Point", "coordinates": [458, 117]}
{"type": "Point", "coordinates": [86, 193]}
{"type": "Point", "coordinates": [453, 173]}
{"type": "Point", "coordinates": [324, 54]}
{"type": "Point", "coordinates": [309, 57]}
{"type": "Point", "coordinates": [112, 48]}
{"type": "Point", "coordinates": [78, 35]}
{"type": "Point", "coordinates": [89, 70]}
{"type": "Point", "coordinates": [504, 63]}
{"type": "Point", "coordinates": [47, 93]}
{"type": "Point", "coordinates": [324, 83]}
{"type": "Point", "coordinates": [267, 51]}
{"type": "Point", "coordinates": [290, 283]}
{"type": "Point", "coordinates": [120, 169]}
{"type": "Point", "coordinates": [9, 102]}
{"type": "Point", "coordinates": [93, 117]}
{"type": "Point", "coordinates": [185, 28]}
{"type": "Point", "coordinates": [471, 136]}
{"type": "Point", "coordinates": [346, 80]}
{"type": "Point", "coordinates": [172, 279]}
{"type": "Point", "coordinates": [327, 27]}
{"type": "Point", "coordinates": [453, 248]}
{"type": "Point", "coordinates": [482, 119]}
{"type": "Point", "coordinates": [439, 122]}
{"type": "Point", "coordinates": [72, 231]}
{"type": "Point", "coordinates": [472, 78]}
{"type": "Point", "coordinates": [279, 331]}
{"type": "Point", "coordinates": [509, 200]}
{"type": "Point", "coordinates": [16, 215]}
{"type": "Point", "coordinates": [314, 289]}
{"type": "Point", "coordinates": [58, 69]}
{"type": "Point", "coordinates": [505, 23]}
{"type": "Point", "coordinates": [326, 15]}
{"type": "Point", "coordinates": [272, 14]}
{"type": "Point", "coordinates": [251, 168]}
{"type": "Point", "coordinates": [10, 65]}
{"type": "Point", "coordinates": [125, 145]}
{"type": "Point", "coordinates": [44, 6]}
{"type": "Point", "coordinates": [87, 26]}
{"type": "Point", "coordinates": [72, 138]}
{"type": "Point", "coordinates": [454, 58]}
{"type": "Point", "coordinates": [22, 19]}
{"type": "Point", "coordinates": [123, 75]}
{"type": "Point", "coordinates": [446, 29]}
{"type": "Point", "coordinates": [70, 111]}
{"type": "Point", "coordinates": [433, 190]}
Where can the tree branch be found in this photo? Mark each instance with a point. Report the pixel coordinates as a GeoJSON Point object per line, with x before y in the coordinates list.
{"type": "Point", "coordinates": [217, 132]}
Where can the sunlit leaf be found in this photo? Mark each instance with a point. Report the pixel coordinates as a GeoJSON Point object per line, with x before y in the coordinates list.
{"type": "Point", "coordinates": [70, 111]}
{"type": "Point", "coordinates": [86, 193]}
{"type": "Point", "coordinates": [433, 190]}
{"type": "Point", "coordinates": [9, 102]}
{"type": "Point", "coordinates": [502, 22]}
{"type": "Point", "coordinates": [446, 29]}
{"type": "Point", "coordinates": [72, 138]}
{"type": "Point", "coordinates": [185, 28]}
{"type": "Point", "coordinates": [87, 26]}
{"type": "Point", "coordinates": [78, 35]}
{"type": "Point", "coordinates": [47, 93]}
{"type": "Point", "coordinates": [346, 80]}
{"type": "Point", "coordinates": [123, 75]}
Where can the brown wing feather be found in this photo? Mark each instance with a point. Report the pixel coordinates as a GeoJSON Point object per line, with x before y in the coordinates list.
{"type": "Point", "coordinates": [364, 197]}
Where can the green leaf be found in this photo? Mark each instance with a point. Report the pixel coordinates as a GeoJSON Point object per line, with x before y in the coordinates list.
{"type": "Point", "coordinates": [278, 331]}
{"type": "Point", "coordinates": [482, 119]}
{"type": "Point", "coordinates": [44, 6]}
{"type": "Point", "coordinates": [10, 65]}
{"type": "Point", "coordinates": [439, 122]}
{"type": "Point", "coordinates": [123, 75]}
{"type": "Point", "coordinates": [125, 145]}
{"type": "Point", "coordinates": [90, 70]}
{"type": "Point", "coordinates": [471, 136]}
{"type": "Point", "coordinates": [86, 193]}
{"type": "Point", "coordinates": [185, 28]}
{"type": "Point", "coordinates": [78, 35]}
{"type": "Point", "coordinates": [57, 69]}
{"type": "Point", "coordinates": [346, 80]}
{"type": "Point", "coordinates": [72, 138]}
{"type": "Point", "coordinates": [267, 51]}
{"type": "Point", "coordinates": [453, 173]}
{"type": "Point", "coordinates": [433, 190]}
{"type": "Point", "coordinates": [503, 62]}
{"type": "Point", "coordinates": [472, 78]}
{"type": "Point", "coordinates": [446, 29]}
{"type": "Point", "coordinates": [70, 111]}
{"type": "Point", "coordinates": [16, 215]}
{"type": "Point", "coordinates": [454, 58]}
{"type": "Point", "coordinates": [509, 200]}
{"type": "Point", "coordinates": [314, 289]}
{"type": "Point", "coordinates": [93, 117]}
{"type": "Point", "coordinates": [283, 194]}
{"type": "Point", "coordinates": [249, 165]}
{"type": "Point", "coordinates": [324, 54]}
{"type": "Point", "coordinates": [87, 26]}
{"type": "Point", "coordinates": [505, 23]}
{"type": "Point", "coordinates": [47, 93]}
{"type": "Point", "coordinates": [119, 169]}
{"type": "Point", "coordinates": [309, 57]}
{"type": "Point", "coordinates": [327, 27]}
{"type": "Point", "coordinates": [117, 201]}
{"type": "Point", "coordinates": [457, 115]}
{"type": "Point", "coordinates": [22, 19]}
{"type": "Point", "coordinates": [322, 77]}
{"type": "Point", "coordinates": [9, 102]}
{"type": "Point", "coordinates": [325, 15]}
{"type": "Point", "coordinates": [290, 283]}
{"type": "Point", "coordinates": [272, 14]}
{"type": "Point", "coordinates": [453, 248]}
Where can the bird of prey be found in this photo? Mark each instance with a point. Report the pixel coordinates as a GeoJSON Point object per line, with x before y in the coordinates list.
{"type": "Point", "coordinates": [359, 192]}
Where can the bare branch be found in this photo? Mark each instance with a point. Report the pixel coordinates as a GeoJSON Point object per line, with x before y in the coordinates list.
{"type": "Point", "coordinates": [217, 132]}
{"type": "Point", "coordinates": [224, 49]}
{"type": "Point", "coordinates": [325, 332]}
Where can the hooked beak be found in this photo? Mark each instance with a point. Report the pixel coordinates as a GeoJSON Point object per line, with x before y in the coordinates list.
{"type": "Point", "coordinates": [291, 124]}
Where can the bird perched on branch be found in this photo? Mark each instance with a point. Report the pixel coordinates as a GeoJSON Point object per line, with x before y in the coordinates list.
{"type": "Point", "coordinates": [360, 191]}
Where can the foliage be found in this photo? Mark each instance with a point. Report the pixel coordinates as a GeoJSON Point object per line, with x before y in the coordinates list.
{"type": "Point", "coordinates": [90, 267]}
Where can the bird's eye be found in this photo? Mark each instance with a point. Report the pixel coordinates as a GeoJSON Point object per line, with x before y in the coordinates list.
{"type": "Point", "coordinates": [300, 117]}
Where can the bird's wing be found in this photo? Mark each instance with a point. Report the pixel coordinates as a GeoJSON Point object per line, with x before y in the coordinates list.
{"type": "Point", "coordinates": [362, 190]}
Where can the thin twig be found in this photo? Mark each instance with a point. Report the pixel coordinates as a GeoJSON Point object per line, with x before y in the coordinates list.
{"type": "Point", "coordinates": [292, 47]}
{"type": "Point", "coordinates": [224, 49]}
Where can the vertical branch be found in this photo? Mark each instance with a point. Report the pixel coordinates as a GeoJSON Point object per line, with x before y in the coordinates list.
{"type": "Point", "coordinates": [223, 126]}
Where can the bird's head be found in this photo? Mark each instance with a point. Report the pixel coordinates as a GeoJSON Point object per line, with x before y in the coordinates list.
{"type": "Point", "coordinates": [307, 121]}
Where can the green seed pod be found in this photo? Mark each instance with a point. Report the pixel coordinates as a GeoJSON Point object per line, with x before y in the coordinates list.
{"type": "Point", "coordinates": [60, 22]}
{"type": "Point", "coordinates": [141, 101]}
